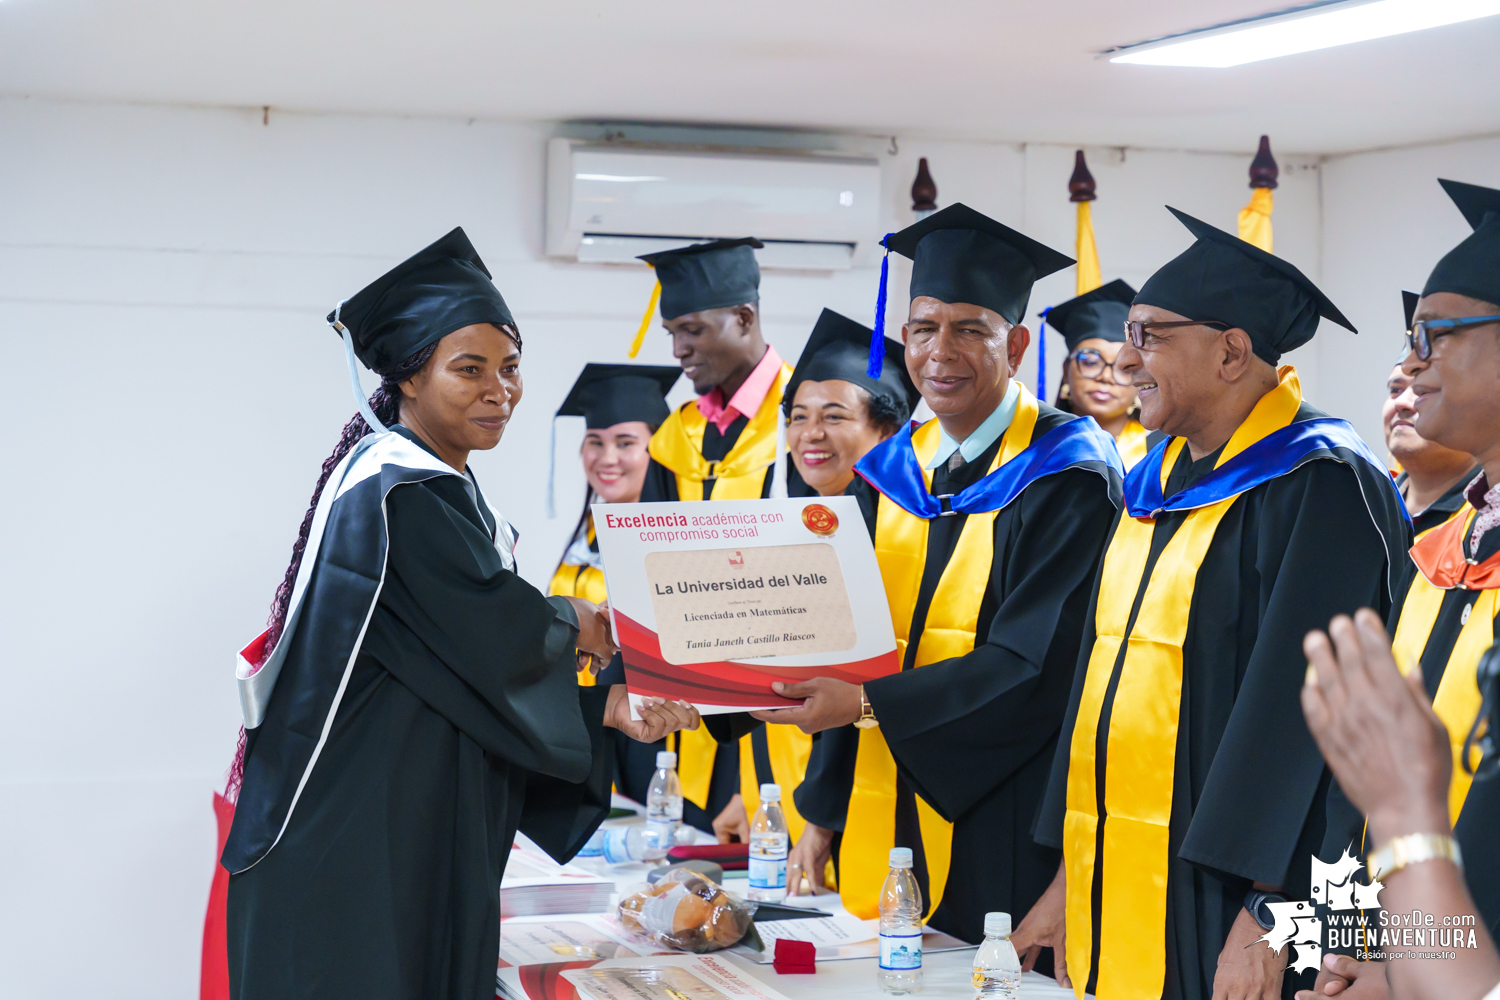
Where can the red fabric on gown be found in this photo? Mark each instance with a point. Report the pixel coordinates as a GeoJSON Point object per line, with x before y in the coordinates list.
{"type": "Point", "coordinates": [213, 983]}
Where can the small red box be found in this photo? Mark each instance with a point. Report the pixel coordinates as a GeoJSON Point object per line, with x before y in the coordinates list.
{"type": "Point", "coordinates": [793, 957]}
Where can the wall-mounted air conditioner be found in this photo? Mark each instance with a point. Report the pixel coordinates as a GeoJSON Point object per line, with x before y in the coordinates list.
{"type": "Point", "coordinates": [609, 203]}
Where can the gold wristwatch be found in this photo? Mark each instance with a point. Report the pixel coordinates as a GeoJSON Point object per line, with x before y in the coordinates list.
{"type": "Point", "coordinates": [1411, 849]}
{"type": "Point", "coordinates": [866, 718]}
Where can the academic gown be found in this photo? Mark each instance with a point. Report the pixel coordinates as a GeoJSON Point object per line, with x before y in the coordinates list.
{"type": "Point", "coordinates": [1443, 507]}
{"type": "Point", "coordinates": [1478, 827]}
{"type": "Point", "coordinates": [1249, 784]}
{"type": "Point", "coordinates": [461, 722]}
{"type": "Point", "coordinates": [974, 735]}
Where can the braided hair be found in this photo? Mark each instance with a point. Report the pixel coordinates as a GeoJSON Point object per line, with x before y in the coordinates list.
{"type": "Point", "coordinates": [385, 403]}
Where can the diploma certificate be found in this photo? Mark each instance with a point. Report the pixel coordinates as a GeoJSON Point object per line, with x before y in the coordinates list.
{"type": "Point", "coordinates": [713, 601]}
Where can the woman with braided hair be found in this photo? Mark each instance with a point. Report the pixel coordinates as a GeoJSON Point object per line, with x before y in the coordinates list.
{"type": "Point", "coordinates": [413, 702]}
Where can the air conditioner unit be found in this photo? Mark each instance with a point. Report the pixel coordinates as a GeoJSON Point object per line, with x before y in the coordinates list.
{"type": "Point", "coordinates": [609, 203]}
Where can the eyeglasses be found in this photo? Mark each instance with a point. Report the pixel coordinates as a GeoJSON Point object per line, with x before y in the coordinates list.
{"type": "Point", "coordinates": [1424, 331]}
{"type": "Point", "coordinates": [1091, 364]}
{"type": "Point", "coordinates": [1136, 331]}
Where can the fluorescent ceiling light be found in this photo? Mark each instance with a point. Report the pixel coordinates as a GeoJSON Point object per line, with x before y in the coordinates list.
{"type": "Point", "coordinates": [617, 178]}
{"type": "Point", "coordinates": [1300, 29]}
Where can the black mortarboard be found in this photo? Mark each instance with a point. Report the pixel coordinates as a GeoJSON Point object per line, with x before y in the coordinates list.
{"type": "Point", "coordinates": [1473, 267]}
{"type": "Point", "coordinates": [839, 348]}
{"type": "Point", "coordinates": [960, 255]}
{"type": "Point", "coordinates": [712, 275]}
{"type": "Point", "coordinates": [1096, 315]}
{"type": "Point", "coordinates": [420, 301]}
{"type": "Point", "coordinates": [1409, 302]}
{"type": "Point", "coordinates": [605, 395]}
{"type": "Point", "coordinates": [1221, 277]}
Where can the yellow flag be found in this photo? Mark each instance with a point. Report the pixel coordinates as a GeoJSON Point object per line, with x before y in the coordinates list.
{"type": "Point", "coordinates": [1255, 219]}
{"type": "Point", "coordinates": [1087, 252]}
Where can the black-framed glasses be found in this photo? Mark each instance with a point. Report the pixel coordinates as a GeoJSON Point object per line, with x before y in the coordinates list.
{"type": "Point", "coordinates": [1135, 331]}
{"type": "Point", "coordinates": [1091, 364]}
{"type": "Point", "coordinates": [1424, 331]}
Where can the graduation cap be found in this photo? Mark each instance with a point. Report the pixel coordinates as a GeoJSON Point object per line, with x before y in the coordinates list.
{"type": "Point", "coordinates": [839, 348]}
{"type": "Point", "coordinates": [712, 275]}
{"type": "Point", "coordinates": [1096, 315]}
{"type": "Point", "coordinates": [605, 395]}
{"type": "Point", "coordinates": [1221, 277]}
{"type": "Point", "coordinates": [960, 255]}
{"type": "Point", "coordinates": [418, 302]}
{"type": "Point", "coordinates": [1473, 267]}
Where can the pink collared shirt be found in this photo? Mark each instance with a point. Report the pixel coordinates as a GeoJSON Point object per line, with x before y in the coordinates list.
{"type": "Point", "coordinates": [747, 399]}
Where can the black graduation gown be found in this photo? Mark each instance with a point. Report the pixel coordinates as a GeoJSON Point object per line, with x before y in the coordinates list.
{"type": "Point", "coordinates": [386, 880]}
{"type": "Point", "coordinates": [974, 735]}
{"type": "Point", "coordinates": [1249, 783]}
{"type": "Point", "coordinates": [1478, 827]}
{"type": "Point", "coordinates": [1443, 507]}
{"type": "Point", "coordinates": [636, 762]}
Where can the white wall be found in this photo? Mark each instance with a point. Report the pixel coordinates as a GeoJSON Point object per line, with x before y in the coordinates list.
{"type": "Point", "coordinates": [1386, 222]}
{"type": "Point", "coordinates": [163, 278]}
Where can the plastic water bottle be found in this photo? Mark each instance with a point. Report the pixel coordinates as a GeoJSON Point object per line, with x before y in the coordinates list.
{"type": "Point", "coordinates": [663, 807]}
{"type": "Point", "coordinates": [624, 844]}
{"type": "Point", "coordinates": [997, 967]}
{"type": "Point", "coordinates": [900, 927]}
{"type": "Point", "coordinates": [595, 847]}
{"type": "Point", "coordinates": [768, 848]}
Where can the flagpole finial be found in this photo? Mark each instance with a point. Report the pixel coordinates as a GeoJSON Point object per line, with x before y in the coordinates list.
{"type": "Point", "coordinates": [923, 191]}
{"type": "Point", "coordinates": [1263, 169]}
{"type": "Point", "coordinates": [1081, 185]}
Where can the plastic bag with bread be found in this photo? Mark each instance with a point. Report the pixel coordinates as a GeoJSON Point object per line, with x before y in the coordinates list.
{"type": "Point", "coordinates": [687, 911]}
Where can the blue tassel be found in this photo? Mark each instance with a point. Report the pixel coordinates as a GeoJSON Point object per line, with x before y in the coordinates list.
{"type": "Point", "coordinates": [877, 339]}
{"type": "Point", "coordinates": [1041, 358]}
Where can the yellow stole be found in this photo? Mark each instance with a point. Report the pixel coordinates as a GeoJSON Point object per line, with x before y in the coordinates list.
{"type": "Point", "coordinates": [741, 474]}
{"type": "Point", "coordinates": [789, 750]}
{"type": "Point", "coordinates": [1132, 443]}
{"type": "Point", "coordinates": [1458, 699]}
{"type": "Point", "coordinates": [1142, 736]}
{"type": "Point", "coordinates": [585, 582]}
{"type": "Point", "coordinates": [952, 619]}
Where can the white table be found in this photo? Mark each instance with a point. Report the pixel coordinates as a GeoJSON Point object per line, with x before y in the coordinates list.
{"type": "Point", "coordinates": [945, 975]}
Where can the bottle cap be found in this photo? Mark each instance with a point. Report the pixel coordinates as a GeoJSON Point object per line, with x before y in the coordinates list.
{"type": "Point", "coordinates": [666, 758]}
{"type": "Point", "coordinates": [901, 857]}
{"type": "Point", "coordinates": [997, 925]}
{"type": "Point", "coordinates": [770, 793]}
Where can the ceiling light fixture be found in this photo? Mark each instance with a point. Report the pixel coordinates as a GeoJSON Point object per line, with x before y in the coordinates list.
{"type": "Point", "coordinates": [1298, 29]}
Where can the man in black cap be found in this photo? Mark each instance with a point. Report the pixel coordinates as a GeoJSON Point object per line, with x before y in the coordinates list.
{"type": "Point", "coordinates": [1447, 618]}
{"type": "Point", "coordinates": [1186, 791]}
{"type": "Point", "coordinates": [412, 703]}
{"type": "Point", "coordinates": [988, 522]}
{"type": "Point", "coordinates": [721, 446]}
{"type": "Point", "coordinates": [1093, 326]}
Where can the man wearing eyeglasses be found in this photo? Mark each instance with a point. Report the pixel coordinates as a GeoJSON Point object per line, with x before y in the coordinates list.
{"type": "Point", "coordinates": [1186, 791]}
{"type": "Point", "coordinates": [1446, 619]}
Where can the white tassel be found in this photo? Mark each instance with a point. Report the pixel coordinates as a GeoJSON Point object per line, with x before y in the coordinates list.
{"type": "Point", "coordinates": [359, 392]}
{"type": "Point", "coordinates": [552, 471]}
{"type": "Point", "coordinates": [778, 477]}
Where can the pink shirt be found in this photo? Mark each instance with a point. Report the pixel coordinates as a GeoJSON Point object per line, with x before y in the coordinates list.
{"type": "Point", "coordinates": [747, 399]}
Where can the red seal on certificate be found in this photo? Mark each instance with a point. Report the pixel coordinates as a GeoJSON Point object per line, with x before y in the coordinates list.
{"type": "Point", "coordinates": [819, 519]}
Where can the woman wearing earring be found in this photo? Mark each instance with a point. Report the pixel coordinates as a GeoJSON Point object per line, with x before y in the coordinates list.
{"type": "Point", "coordinates": [1093, 324]}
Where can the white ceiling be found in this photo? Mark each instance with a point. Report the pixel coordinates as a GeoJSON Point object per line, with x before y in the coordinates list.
{"type": "Point", "coordinates": [991, 69]}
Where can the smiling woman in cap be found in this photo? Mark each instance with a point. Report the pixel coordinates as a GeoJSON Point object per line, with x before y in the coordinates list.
{"type": "Point", "coordinates": [412, 703]}
{"type": "Point", "coordinates": [621, 405]}
{"type": "Point", "coordinates": [1093, 325]}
